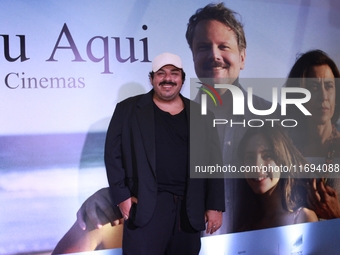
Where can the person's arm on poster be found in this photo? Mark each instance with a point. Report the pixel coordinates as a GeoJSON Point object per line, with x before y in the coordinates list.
{"type": "Point", "coordinates": [90, 239]}
{"type": "Point", "coordinates": [323, 200]}
{"type": "Point", "coordinates": [99, 202]}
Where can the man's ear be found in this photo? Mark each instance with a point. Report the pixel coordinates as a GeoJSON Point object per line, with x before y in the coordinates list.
{"type": "Point", "coordinates": [242, 58]}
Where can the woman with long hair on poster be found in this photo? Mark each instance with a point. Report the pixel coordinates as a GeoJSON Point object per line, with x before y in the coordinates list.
{"type": "Point", "coordinates": [271, 197]}
{"type": "Point", "coordinates": [316, 136]}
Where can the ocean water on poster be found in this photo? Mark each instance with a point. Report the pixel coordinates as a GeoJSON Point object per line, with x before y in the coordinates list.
{"type": "Point", "coordinates": [39, 200]}
{"type": "Point", "coordinates": [38, 207]}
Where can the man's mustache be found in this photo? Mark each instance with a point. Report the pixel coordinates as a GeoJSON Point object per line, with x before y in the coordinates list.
{"type": "Point", "coordinates": [210, 65]}
{"type": "Point", "coordinates": [167, 83]}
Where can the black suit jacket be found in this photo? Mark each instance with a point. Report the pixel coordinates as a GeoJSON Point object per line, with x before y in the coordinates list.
{"type": "Point", "coordinates": [130, 159]}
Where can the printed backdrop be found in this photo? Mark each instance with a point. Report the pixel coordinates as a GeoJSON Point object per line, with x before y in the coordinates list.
{"type": "Point", "coordinates": [65, 64]}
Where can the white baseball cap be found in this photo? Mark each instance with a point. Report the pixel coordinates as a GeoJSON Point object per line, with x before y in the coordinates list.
{"type": "Point", "coordinates": [164, 59]}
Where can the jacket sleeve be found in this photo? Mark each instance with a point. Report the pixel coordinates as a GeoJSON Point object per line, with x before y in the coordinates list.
{"type": "Point", "coordinates": [205, 151]}
{"type": "Point", "coordinates": [113, 157]}
{"type": "Point", "coordinates": [215, 194]}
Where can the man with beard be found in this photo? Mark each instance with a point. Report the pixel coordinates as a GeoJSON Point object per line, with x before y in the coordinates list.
{"type": "Point", "coordinates": [147, 163]}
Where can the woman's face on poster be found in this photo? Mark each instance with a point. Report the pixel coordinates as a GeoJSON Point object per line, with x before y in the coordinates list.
{"type": "Point", "coordinates": [259, 154]}
{"type": "Point", "coordinates": [319, 80]}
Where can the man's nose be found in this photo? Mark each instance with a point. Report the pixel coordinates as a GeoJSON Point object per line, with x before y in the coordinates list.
{"type": "Point", "coordinates": [215, 53]}
{"type": "Point", "coordinates": [167, 76]}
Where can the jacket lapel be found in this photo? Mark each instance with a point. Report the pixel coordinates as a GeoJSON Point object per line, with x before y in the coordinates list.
{"type": "Point", "coordinates": [187, 111]}
{"type": "Point", "coordinates": [146, 121]}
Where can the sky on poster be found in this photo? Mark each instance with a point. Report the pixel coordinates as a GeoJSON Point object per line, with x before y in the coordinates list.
{"type": "Point", "coordinates": [276, 31]}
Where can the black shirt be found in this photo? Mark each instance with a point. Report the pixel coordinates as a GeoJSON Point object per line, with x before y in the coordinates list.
{"type": "Point", "coordinates": [171, 151]}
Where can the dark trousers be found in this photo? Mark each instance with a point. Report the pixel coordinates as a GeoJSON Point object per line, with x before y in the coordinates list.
{"type": "Point", "coordinates": [168, 232]}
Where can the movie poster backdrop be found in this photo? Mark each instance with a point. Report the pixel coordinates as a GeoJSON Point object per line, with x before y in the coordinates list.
{"type": "Point", "coordinates": [65, 65]}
